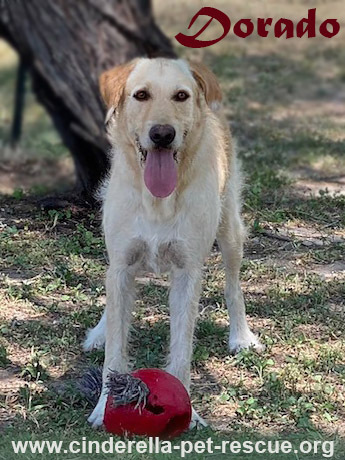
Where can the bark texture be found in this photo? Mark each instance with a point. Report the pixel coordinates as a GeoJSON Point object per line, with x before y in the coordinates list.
{"type": "Point", "coordinates": [66, 44]}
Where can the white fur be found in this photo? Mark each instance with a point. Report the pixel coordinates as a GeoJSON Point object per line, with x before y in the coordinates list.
{"type": "Point", "coordinates": [173, 234]}
{"type": "Point", "coordinates": [95, 338]}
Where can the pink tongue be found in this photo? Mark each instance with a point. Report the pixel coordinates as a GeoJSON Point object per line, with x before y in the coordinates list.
{"type": "Point", "coordinates": [160, 173]}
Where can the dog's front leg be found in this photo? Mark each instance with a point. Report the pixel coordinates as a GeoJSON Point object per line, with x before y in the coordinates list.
{"type": "Point", "coordinates": [230, 240]}
{"type": "Point", "coordinates": [120, 301]}
{"type": "Point", "coordinates": [183, 300]}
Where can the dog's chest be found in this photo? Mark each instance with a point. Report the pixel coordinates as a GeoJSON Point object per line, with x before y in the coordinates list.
{"type": "Point", "coordinates": [157, 237]}
{"type": "Point", "coordinates": [156, 246]}
{"type": "Point", "coordinates": [158, 258]}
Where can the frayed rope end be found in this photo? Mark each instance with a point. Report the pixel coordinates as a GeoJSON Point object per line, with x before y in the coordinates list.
{"type": "Point", "coordinates": [123, 388]}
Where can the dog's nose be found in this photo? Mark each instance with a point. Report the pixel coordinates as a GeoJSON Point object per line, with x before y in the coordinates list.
{"type": "Point", "coordinates": [162, 135]}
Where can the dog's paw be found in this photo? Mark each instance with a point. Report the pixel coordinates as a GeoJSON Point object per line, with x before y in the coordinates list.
{"type": "Point", "coordinates": [246, 340]}
{"type": "Point", "coordinates": [97, 416]}
{"type": "Point", "coordinates": [95, 339]}
{"type": "Point", "coordinates": [197, 421]}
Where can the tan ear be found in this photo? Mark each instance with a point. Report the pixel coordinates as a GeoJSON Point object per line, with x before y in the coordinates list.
{"type": "Point", "coordinates": [112, 83]}
{"type": "Point", "coordinates": [208, 82]}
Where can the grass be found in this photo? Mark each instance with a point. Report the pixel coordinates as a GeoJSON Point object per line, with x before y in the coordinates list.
{"type": "Point", "coordinates": [282, 100]}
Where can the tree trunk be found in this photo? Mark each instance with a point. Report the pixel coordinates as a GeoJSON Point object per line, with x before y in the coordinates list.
{"type": "Point", "coordinates": [66, 44]}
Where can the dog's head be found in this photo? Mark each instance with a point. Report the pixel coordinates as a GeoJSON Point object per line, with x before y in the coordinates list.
{"type": "Point", "coordinates": [156, 105]}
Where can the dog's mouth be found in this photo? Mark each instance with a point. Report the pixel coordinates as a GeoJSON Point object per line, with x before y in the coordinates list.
{"type": "Point", "coordinates": [160, 169]}
{"type": "Point", "coordinates": [143, 152]}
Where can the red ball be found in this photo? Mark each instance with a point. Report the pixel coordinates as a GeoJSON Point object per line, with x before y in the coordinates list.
{"type": "Point", "coordinates": [167, 412]}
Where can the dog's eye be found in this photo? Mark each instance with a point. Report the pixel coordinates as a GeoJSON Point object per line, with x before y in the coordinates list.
{"type": "Point", "coordinates": [181, 96]}
{"type": "Point", "coordinates": [141, 95]}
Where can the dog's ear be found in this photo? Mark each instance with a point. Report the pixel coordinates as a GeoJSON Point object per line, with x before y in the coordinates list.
{"type": "Point", "coordinates": [112, 84]}
{"type": "Point", "coordinates": [208, 83]}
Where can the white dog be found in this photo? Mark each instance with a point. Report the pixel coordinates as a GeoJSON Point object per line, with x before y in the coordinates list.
{"type": "Point", "coordinates": [174, 187]}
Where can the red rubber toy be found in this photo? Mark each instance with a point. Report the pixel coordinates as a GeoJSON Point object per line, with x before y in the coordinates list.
{"type": "Point", "coordinates": [164, 409]}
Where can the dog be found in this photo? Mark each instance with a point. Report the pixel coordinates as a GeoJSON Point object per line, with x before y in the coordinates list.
{"type": "Point", "coordinates": [174, 187]}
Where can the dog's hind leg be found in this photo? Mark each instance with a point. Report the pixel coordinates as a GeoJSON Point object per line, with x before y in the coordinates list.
{"type": "Point", "coordinates": [120, 301]}
{"type": "Point", "coordinates": [95, 338]}
{"type": "Point", "coordinates": [230, 239]}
